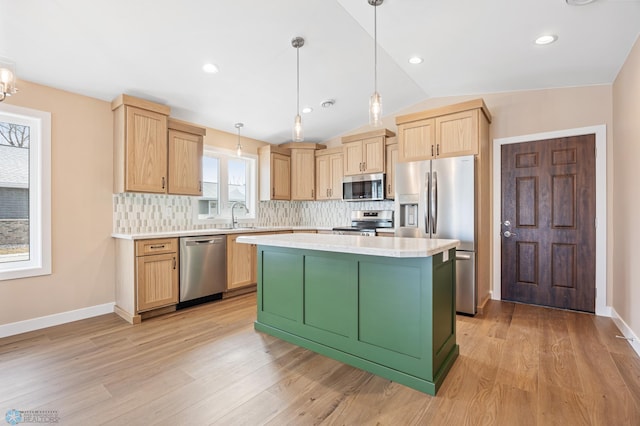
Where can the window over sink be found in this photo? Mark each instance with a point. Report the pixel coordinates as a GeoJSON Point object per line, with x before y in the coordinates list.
{"type": "Point", "coordinates": [229, 181]}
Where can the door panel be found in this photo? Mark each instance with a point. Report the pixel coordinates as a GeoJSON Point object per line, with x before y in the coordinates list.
{"type": "Point", "coordinates": [548, 222]}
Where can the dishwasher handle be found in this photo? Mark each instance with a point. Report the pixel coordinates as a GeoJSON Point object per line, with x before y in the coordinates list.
{"type": "Point", "coordinates": [205, 241]}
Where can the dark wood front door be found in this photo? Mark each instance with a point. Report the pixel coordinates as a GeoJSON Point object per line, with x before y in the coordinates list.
{"type": "Point", "coordinates": [548, 222]}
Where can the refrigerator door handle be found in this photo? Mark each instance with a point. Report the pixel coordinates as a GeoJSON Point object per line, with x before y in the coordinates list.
{"type": "Point", "coordinates": [427, 184]}
{"type": "Point", "coordinates": [434, 202]}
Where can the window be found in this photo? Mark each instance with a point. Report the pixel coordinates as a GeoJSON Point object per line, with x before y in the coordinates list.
{"type": "Point", "coordinates": [25, 192]}
{"type": "Point", "coordinates": [229, 182]}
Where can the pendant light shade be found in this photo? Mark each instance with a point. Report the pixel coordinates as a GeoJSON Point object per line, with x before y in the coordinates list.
{"type": "Point", "coordinates": [375, 109]}
{"type": "Point", "coordinates": [7, 78]}
{"type": "Point", "coordinates": [297, 134]}
{"type": "Point", "coordinates": [375, 102]}
{"type": "Point", "coordinates": [239, 146]}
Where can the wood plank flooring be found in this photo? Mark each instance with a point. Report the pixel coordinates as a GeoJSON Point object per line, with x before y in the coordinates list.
{"type": "Point", "coordinates": [518, 365]}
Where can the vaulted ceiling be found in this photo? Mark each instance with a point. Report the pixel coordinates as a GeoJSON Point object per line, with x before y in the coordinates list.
{"type": "Point", "coordinates": [155, 49]}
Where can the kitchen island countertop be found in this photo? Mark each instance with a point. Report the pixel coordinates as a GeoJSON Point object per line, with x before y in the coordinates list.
{"type": "Point", "coordinates": [372, 246]}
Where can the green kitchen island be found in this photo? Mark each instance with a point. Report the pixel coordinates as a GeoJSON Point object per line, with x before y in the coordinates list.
{"type": "Point", "coordinates": [382, 304]}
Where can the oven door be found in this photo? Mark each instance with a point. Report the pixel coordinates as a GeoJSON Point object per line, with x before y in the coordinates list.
{"type": "Point", "coordinates": [363, 187]}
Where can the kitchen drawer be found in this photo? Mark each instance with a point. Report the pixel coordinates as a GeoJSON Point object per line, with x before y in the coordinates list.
{"type": "Point", "coordinates": [157, 246]}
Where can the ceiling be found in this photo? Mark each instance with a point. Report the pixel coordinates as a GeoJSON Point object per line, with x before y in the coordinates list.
{"type": "Point", "coordinates": [155, 49]}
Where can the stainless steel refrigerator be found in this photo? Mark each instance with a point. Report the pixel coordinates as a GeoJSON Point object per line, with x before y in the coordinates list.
{"type": "Point", "coordinates": [436, 199]}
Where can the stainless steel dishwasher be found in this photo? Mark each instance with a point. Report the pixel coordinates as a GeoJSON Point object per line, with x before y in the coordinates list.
{"type": "Point", "coordinates": [203, 268]}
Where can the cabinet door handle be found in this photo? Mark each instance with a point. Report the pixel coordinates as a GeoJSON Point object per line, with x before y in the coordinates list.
{"type": "Point", "coordinates": [175, 264]}
{"type": "Point", "coordinates": [273, 191]}
{"type": "Point", "coordinates": [200, 186]}
{"type": "Point", "coordinates": [437, 150]}
{"type": "Point", "coordinates": [160, 246]}
{"type": "Point", "coordinates": [313, 191]}
{"type": "Point", "coordinates": [162, 182]}
{"type": "Point", "coordinates": [432, 150]}
{"type": "Point", "coordinates": [327, 192]}
{"type": "Point", "coordinates": [364, 166]}
{"type": "Point", "coordinates": [389, 188]}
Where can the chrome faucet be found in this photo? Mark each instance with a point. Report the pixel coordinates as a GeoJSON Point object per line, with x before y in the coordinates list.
{"type": "Point", "coordinates": [234, 219]}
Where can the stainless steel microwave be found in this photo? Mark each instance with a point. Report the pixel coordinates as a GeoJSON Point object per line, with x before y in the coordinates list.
{"type": "Point", "coordinates": [363, 187]}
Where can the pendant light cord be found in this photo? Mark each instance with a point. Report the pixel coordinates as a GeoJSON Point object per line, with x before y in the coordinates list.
{"type": "Point", "coordinates": [298, 80]}
{"type": "Point", "coordinates": [375, 48]}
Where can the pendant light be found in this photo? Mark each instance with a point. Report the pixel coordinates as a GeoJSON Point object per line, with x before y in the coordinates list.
{"type": "Point", "coordinates": [7, 78]}
{"type": "Point", "coordinates": [239, 146]}
{"type": "Point", "coordinates": [375, 102]}
{"type": "Point", "coordinates": [297, 135]}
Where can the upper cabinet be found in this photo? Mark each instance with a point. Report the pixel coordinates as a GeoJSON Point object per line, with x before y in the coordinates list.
{"type": "Point", "coordinates": [417, 140]}
{"type": "Point", "coordinates": [275, 173]}
{"type": "Point", "coordinates": [153, 153]}
{"type": "Point", "coordinates": [365, 152]}
{"type": "Point", "coordinates": [390, 170]}
{"type": "Point", "coordinates": [303, 169]}
{"type": "Point", "coordinates": [140, 146]}
{"type": "Point", "coordinates": [185, 158]}
{"type": "Point", "coordinates": [329, 174]}
{"type": "Point", "coordinates": [451, 131]}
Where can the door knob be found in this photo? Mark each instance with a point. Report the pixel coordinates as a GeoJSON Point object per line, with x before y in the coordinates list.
{"type": "Point", "coordinates": [509, 234]}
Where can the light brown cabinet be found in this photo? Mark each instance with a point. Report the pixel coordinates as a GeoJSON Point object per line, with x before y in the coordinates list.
{"type": "Point", "coordinates": [140, 145]}
{"type": "Point", "coordinates": [457, 134]}
{"type": "Point", "coordinates": [275, 173]}
{"type": "Point", "coordinates": [329, 171]}
{"type": "Point", "coordinates": [242, 263]}
{"type": "Point", "coordinates": [146, 277]}
{"type": "Point", "coordinates": [153, 153]}
{"type": "Point", "coordinates": [450, 131]}
{"type": "Point", "coordinates": [185, 149]}
{"type": "Point", "coordinates": [417, 140]}
{"type": "Point", "coordinates": [303, 174]}
{"type": "Point", "coordinates": [303, 169]}
{"type": "Point", "coordinates": [390, 170]}
{"type": "Point", "coordinates": [365, 153]}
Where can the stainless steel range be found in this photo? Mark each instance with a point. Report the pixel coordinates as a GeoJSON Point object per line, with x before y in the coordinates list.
{"type": "Point", "coordinates": [365, 222]}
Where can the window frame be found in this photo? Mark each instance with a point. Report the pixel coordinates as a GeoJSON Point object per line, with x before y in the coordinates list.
{"type": "Point", "coordinates": [39, 262]}
{"type": "Point", "coordinates": [223, 217]}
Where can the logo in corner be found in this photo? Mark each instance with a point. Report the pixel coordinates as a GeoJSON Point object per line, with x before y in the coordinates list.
{"type": "Point", "coordinates": [13, 417]}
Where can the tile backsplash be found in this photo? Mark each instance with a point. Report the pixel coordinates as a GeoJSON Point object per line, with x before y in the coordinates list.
{"type": "Point", "coordinates": [135, 213]}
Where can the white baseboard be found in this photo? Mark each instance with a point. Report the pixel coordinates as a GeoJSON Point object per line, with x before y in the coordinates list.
{"type": "Point", "coordinates": [55, 319]}
{"type": "Point", "coordinates": [626, 331]}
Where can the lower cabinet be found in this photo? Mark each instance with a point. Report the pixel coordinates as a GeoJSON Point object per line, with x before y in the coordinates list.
{"type": "Point", "coordinates": [146, 277]}
{"type": "Point", "coordinates": [241, 262]}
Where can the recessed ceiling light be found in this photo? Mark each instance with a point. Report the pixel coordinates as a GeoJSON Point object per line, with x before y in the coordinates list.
{"type": "Point", "coordinates": [415, 60]}
{"type": "Point", "coordinates": [546, 39]}
{"type": "Point", "coordinates": [210, 68]}
{"type": "Point", "coordinates": [579, 2]}
{"type": "Point", "coordinates": [307, 110]}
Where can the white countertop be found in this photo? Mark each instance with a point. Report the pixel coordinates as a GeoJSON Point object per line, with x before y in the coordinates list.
{"type": "Point", "coordinates": [388, 246]}
{"type": "Point", "coordinates": [214, 231]}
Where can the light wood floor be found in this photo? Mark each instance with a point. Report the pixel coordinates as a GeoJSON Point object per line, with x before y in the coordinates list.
{"type": "Point", "coordinates": [518, 365]}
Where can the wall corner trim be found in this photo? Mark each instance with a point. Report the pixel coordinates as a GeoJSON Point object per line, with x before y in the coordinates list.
{"type": "Point", "coordinates": [55, 319]}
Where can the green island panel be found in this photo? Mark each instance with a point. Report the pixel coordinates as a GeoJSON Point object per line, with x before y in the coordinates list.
{"type": "Point", "coordinates": [390, 307]}
{"type": "Point", "coordinates": [282, 284]}
{"type": "Point", "coordinates": [330, 293]}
